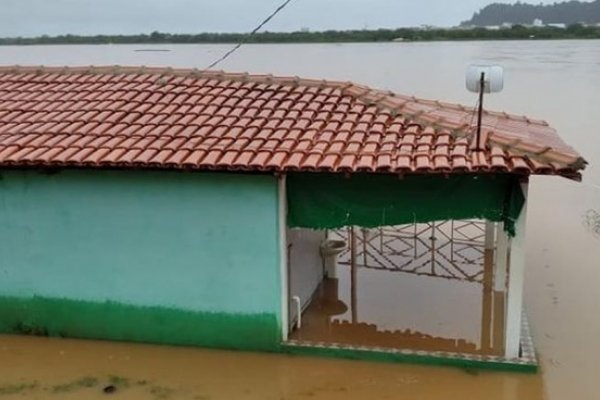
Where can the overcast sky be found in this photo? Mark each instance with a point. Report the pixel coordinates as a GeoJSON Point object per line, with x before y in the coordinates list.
{"type": "Point", "coordinates": [89, 17]}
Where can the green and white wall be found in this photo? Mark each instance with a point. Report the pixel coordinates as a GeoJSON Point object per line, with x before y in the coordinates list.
{"type": "Point", "coordinates": [163, 257]}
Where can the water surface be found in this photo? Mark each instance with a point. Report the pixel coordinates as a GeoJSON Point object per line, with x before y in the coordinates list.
{"type": "Point", "coordinates": [554, 80]}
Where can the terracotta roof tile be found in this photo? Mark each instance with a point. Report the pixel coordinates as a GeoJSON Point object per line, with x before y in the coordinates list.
{"type": "Point", "coordinates": [164, 118]}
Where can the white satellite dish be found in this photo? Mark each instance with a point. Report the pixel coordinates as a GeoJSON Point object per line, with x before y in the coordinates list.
{"type": "Point", "coordinates": [491, 75]}
{"type": "Point", "coordinates": [483, 79]}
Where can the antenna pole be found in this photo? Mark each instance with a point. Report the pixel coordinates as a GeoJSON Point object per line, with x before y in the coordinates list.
{"type": "Point", "coordinates": [480, 111]}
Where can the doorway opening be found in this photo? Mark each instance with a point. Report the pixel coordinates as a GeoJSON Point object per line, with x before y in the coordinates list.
{"type": "Point", "coordinates": [423, 286]}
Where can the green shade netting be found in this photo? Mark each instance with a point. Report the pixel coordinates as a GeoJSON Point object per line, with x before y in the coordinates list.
{"type": "Point", "coordinates": [329, 201]}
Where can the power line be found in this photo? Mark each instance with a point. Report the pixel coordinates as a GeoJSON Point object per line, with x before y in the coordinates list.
{"type": "Point", "coordinates": [248, 36]}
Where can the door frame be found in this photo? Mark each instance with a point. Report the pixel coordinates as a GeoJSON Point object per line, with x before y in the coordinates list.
{"type": "Point", "coordinates": [283, 255]}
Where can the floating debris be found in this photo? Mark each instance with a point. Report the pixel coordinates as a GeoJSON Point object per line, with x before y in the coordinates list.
{"type": "Point", "coordinates": [152, 50]}
{"type": "Point", "coordinates": [109, 389]}
{"type": "Point", "coordinates": [11, 389]}
{"type": "Point", "coordinates": [85, 382]}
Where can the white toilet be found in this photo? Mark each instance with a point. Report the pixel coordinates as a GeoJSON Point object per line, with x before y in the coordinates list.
{"type": "Point", "coordinates": [329, 251]}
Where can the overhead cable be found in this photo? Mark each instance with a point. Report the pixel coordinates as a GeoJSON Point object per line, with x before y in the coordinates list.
{"type": "Point", "coordinates": [248, 36]}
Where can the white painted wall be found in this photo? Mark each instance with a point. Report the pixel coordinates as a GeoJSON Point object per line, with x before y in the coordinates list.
{"type": "Point", "coordinates": [516, 271]}
{"type": "Point", "coordinates": [306, 265]}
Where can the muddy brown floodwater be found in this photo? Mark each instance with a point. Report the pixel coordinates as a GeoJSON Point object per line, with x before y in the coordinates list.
{"type": "Point", "coordinates": [75, 369]}
{"type": "Point", "coordinates": [554, 80]}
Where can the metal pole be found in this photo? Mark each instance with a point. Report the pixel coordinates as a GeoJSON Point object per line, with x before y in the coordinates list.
{"type": "Point", "coordinates": [480, 111]}
{"type": "Point", "coordinates": [364, 232]}
{"type": "Point", "coordinates": [353, 275]}
{"type": "Point", "coordinates": [452, 241]}
{"type": "Point", "coordinates": [432, 238]}
{"type": "Point", "coordinates": [415, 226]}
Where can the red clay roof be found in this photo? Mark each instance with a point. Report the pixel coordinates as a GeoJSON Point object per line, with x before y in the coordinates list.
{"type": "Point", "coordinates": [164, 118]}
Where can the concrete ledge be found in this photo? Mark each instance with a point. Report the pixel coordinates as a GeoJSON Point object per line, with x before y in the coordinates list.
{"type": "Point", "coordinates": [527, 362]}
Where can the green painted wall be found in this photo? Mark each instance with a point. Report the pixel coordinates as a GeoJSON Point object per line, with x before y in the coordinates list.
{"type": "Point", "coordinates": [168, 257]}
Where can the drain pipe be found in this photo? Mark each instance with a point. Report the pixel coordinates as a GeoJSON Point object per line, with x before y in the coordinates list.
{"type": "Point", "coordinates": [296, 299]}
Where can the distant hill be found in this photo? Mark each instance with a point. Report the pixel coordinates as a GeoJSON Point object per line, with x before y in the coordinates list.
{"type": "Point", "coordinates": [570, 12]}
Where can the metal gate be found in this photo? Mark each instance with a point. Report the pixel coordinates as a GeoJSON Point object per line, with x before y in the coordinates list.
{"type": "Point", "coordinates": [444, 249]}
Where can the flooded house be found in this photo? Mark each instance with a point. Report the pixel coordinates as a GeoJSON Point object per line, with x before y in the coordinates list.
{"type": "Point", "coordinates": [266, 213]}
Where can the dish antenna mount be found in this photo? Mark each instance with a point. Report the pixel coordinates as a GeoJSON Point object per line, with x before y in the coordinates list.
{"type": "Point", "coordinates": [483, 79]}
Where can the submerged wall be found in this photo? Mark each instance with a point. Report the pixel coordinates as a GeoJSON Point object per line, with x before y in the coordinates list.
{"type": "Point", "coordinates": [165, 257]}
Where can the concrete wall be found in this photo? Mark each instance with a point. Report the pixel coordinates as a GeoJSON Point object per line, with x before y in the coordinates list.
{"type": "Point", "coordinates": [169, 257]}
{"type": "Point", "coordinates": [306, 268]}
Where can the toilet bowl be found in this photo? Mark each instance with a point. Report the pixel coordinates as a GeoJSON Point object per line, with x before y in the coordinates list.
{"type": "Point", "coordinates": [329, 252]}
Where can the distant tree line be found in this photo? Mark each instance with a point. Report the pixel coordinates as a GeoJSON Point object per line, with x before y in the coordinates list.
{"type": "Point", "coordinates": [570, 12]}
{"type": "Point", "coordinates": [575, 31]}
